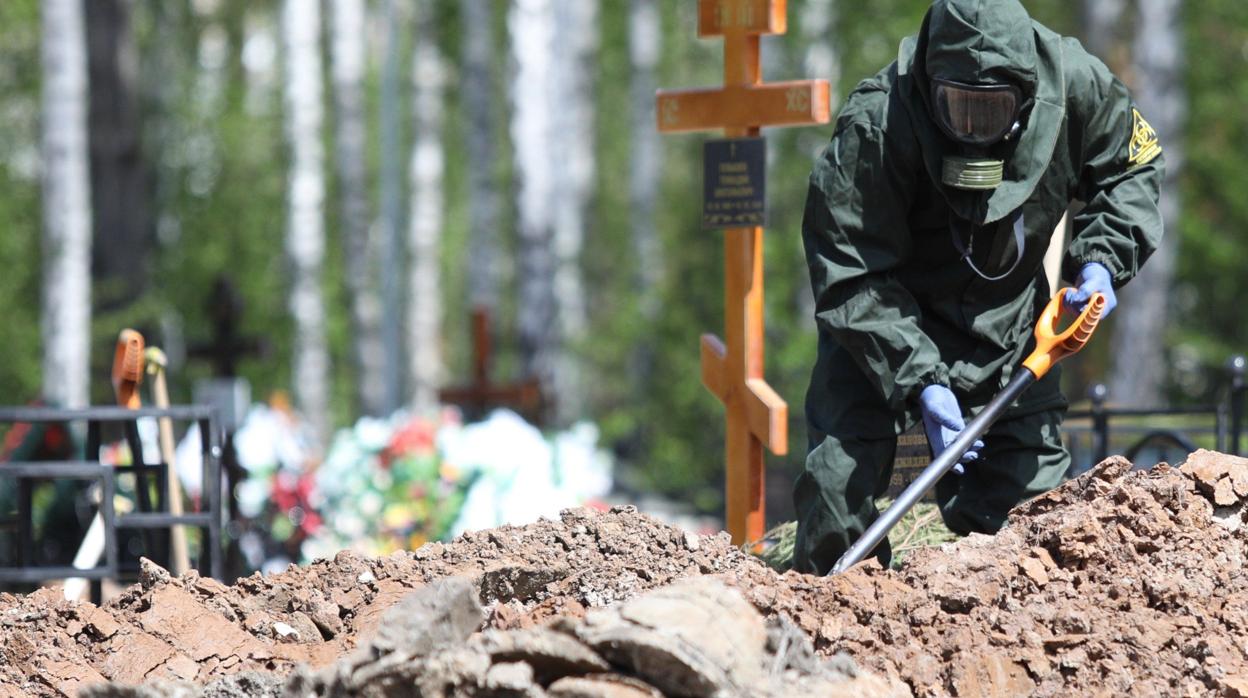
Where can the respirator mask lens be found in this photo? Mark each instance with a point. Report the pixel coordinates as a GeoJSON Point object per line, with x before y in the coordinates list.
{"type": "Point", "coordinates": [976, 115]}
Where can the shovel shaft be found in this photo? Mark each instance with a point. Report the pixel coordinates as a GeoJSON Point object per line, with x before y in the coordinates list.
{"type": "Point", "coordinates": [179, 561]}
{"type": "Point", "coordinates": [927, 479]}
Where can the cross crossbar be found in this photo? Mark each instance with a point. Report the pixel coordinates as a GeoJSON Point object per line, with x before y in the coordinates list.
{"type": "Point", "coordinates": [794, 103]}
{"type": "Point", "coordinates": [719, 17]}
{"type": "Point", "coordinates": [481, 394]}
{"type": "Point", "coordinates": [765, 411]}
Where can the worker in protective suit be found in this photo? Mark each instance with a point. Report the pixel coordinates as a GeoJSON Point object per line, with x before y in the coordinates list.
{"type": "Point", "coordinates": [926, 224]}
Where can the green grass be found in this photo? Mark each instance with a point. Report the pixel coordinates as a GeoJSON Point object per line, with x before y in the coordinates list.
{"type": "Point", "coordinates": [921, 527]}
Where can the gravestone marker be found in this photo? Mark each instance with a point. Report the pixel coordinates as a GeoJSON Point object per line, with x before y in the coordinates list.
{"type": "Point", "coordinates": [757, 417]}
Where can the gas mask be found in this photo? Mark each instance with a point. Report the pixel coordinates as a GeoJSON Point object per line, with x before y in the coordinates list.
{"type": "Point", "coordinates": [976, 117]}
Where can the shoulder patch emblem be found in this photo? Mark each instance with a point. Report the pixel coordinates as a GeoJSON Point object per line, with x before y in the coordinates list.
{"type": "Point", "coordinates": [1144, 146]}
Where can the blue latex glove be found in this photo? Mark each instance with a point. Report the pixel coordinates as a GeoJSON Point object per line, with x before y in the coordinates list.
{"type": "Point", "coordinates": [942, 419]}
{"type": "Point", "coordinates": [1093, 278]}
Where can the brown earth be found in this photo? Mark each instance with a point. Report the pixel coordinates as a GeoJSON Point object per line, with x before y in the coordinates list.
{"type": "Point", "coordinates": [1117, 582]}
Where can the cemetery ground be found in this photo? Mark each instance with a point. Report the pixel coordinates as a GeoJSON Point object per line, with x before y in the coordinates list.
{"type": "Point", "coordinates": [1125, 582]}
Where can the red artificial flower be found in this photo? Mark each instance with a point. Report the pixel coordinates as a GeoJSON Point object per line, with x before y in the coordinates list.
{"type": "Point", "coordinates": [414, 438]}
{"type": "Point", "coordinates": [311, 522]}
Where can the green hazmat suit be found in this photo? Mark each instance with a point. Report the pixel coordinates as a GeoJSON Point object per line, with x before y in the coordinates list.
{"type": "Point", "coordinates": [897, 306]}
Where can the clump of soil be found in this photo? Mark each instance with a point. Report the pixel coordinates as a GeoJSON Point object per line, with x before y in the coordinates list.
{"type": "Point", "coordinates": [1126, 581]}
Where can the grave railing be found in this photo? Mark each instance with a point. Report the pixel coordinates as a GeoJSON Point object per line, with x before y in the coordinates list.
{"type": "Point", "coordinates": [150, 518]}
{"type": "Point", "coordinates": [1150, 435]}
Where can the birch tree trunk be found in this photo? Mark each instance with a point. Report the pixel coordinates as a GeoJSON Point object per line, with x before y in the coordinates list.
{"type": "Point", "coordinates": [425, 228]}
{"type": "Point", "coordinates": [66, 322]}
{"type": "Point", "coordinates": [531, 28]}
{"type": "Point", "coordinates": [305, 232]}
{"type": "Point", "coordinates": [645, 35]}
{"type": "Point", "coordinates": [359, 251]}
{"type": "Point", "coordinates": [119, 185]}
{"type": "Point", "coordinates": [576, 45]}
{"type": "Point", "coordinates": [1102, 20]}
{"type": "Point", "coordinates": [1139, 370]}
{"type": "Point", "coordinates": [645, 38]}
{"type": "Point", "coordinates": [481, 144]}
{"type": "Point", "coordinates": [553, 44]}
{"type": "Point", "coordinates": [818, 28]}
{"type": "Point", "coordinates": [391, 215]}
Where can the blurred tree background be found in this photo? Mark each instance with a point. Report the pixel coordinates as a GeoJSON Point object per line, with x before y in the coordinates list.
{"type": "Point", "coordinates": [191, 159]}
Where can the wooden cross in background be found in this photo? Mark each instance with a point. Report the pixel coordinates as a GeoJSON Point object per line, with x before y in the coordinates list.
{"type": "Point", "coordinates": [228, 346]}
{"type": "Point", "coordinates": [733, 370]}
{"type": "Point", "coordinates": [478, 396]}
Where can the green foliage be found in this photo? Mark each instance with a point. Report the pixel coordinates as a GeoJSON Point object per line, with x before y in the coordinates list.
{"type": "Point", "coordinates": [1214, 229]}
{"type": "Point", "coordinates": [20, 220]}
{"type": "Point", "coordinates": [225, 208]}
{"type": "Point", "coordinates": [19, 256]}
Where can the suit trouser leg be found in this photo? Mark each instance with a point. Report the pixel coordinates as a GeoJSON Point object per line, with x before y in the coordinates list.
{"type": "Point", "coordinates": [848, 468]}
{"type": "Point", "coordinates": [1023, 456]}
{"type": "Point", "coordinates": [835, 498]}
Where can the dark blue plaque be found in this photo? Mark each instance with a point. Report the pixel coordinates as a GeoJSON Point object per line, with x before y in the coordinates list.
{"type": "Point", "coordinates": [734, 184]}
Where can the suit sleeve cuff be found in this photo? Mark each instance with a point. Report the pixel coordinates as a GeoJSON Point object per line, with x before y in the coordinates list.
{"type": "Point", "coordinates": [938, 375]}
{"type": "Point", "coordinates": [1074, 262]}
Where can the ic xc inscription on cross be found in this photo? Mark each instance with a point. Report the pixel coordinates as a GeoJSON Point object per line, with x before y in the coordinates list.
{"type": "Point", "coordinates": [733, 369]}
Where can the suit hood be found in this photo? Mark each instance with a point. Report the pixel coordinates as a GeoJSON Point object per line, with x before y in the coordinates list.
{"type": "Point", "coordinates": [981, 42]}
{"type": "Point", "coordinates": [986, 41]}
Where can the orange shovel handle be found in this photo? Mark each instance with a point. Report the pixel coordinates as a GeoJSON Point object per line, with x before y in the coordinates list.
{"type": "Point", "coordinates": [1052, 346]}
{"type": "Point", "coordinates": [128, 368]}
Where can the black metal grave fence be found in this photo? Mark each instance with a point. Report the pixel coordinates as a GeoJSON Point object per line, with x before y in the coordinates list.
{"type": "Point", "coordinates": [1147, 436]}
{"type": "Point", "coordinates": [151, 519]}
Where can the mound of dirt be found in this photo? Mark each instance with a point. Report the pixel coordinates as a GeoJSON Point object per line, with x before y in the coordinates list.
{"type": "Point", "coordinates": [196, 629]}
{"type": "Point", "coordinates": [1120, 580]}
{"type": "Point", "coordinates": [696, 637]}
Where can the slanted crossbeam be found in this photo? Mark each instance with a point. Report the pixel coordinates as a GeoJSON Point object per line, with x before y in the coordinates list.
{"type": "Point", "coordinates": [732, 369]}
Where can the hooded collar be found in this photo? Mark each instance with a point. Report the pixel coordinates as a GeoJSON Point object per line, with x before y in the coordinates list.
{"type": "Point", "coordinates": [964, 40]}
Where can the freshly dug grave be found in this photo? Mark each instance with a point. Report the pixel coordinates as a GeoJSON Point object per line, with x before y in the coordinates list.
{"type": "Point", "coordinates": [1118, 581]}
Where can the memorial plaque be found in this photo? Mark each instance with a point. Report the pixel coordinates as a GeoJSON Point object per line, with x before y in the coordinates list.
{"type": "Point", "coordinates": [734, 183]}
{"type": "Point", "coordinates": [913, 455]}
{"type": "Point", "coordinates": [231, 397]}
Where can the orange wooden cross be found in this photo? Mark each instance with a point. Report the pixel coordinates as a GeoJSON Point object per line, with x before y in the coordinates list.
{"type": "Point", "coordinates": [733, 370]}
{"type": "Point", "coordinates": [479, 395]}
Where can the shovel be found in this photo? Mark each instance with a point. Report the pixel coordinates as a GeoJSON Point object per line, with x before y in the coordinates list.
{"type": "Point", "coordinates": [127, 375]}
{"type": "Point", "coordinates": [1051, 347]}
{"type": "Point", "coordinates": [157, 366]}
